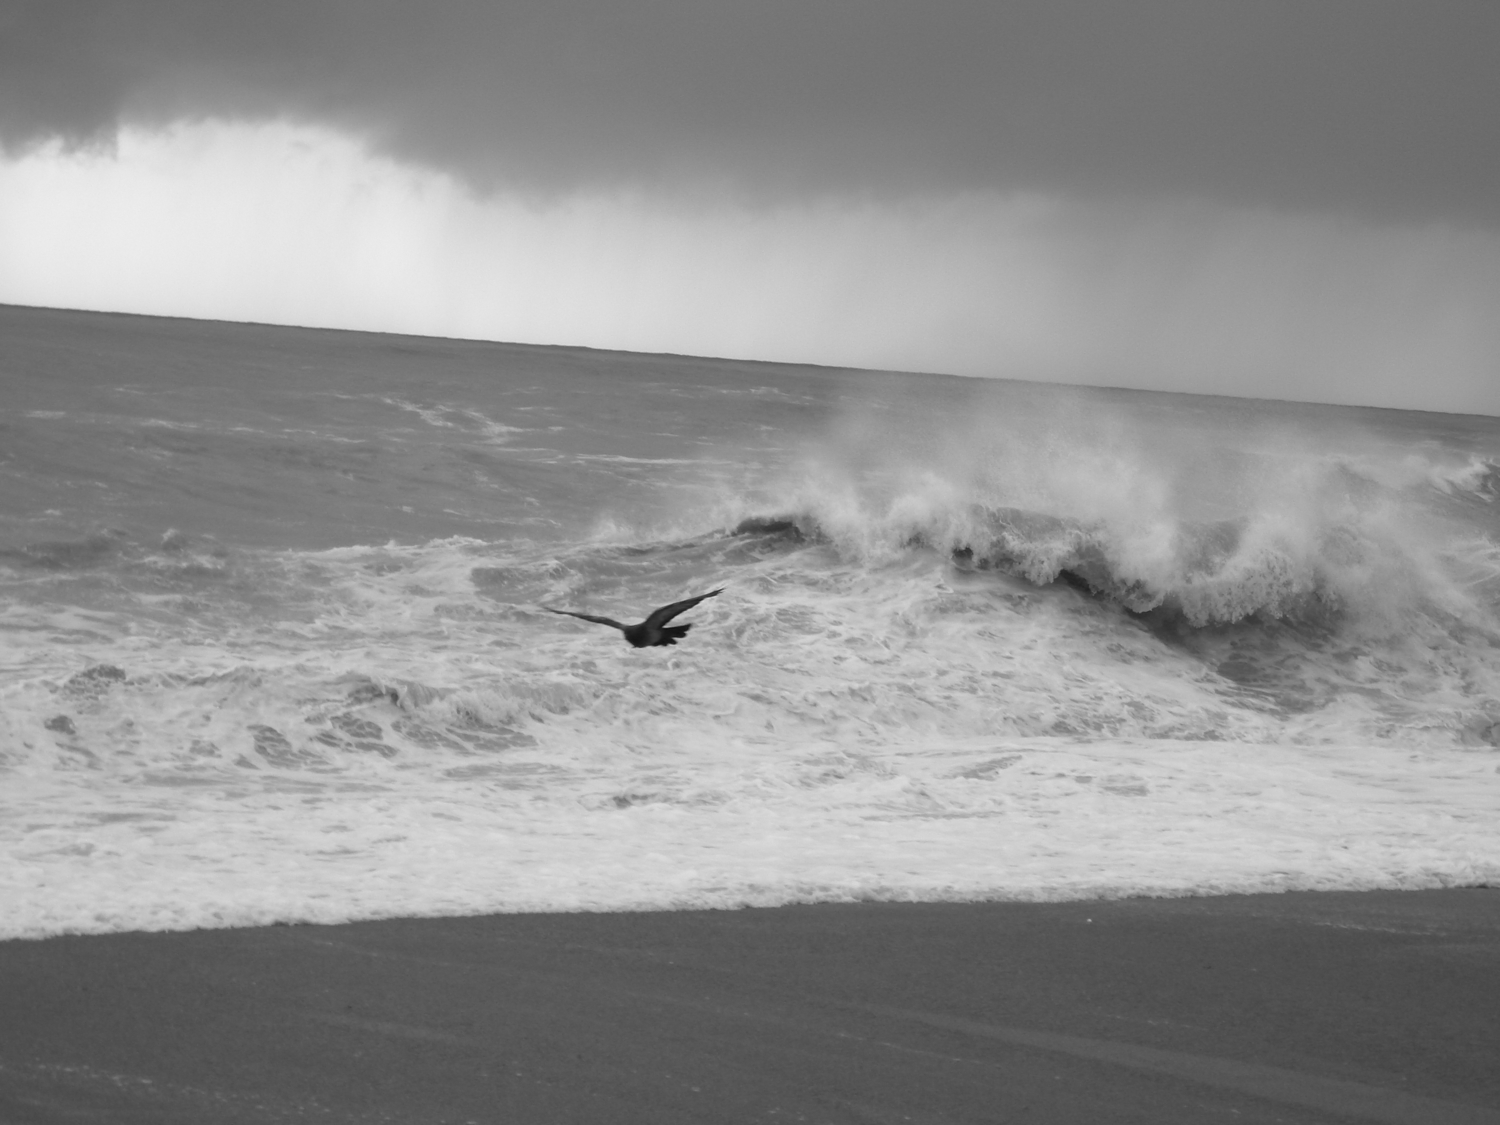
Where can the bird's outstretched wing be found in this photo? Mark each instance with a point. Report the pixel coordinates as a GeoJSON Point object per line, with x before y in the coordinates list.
{"type": "Point", "coordinates": [587, 617]}
{"type": "Point", "coordinates": [660, 617]}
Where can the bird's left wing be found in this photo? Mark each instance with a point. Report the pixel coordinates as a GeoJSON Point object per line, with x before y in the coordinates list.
{"type": "Point", "coordinates": [586, 617]}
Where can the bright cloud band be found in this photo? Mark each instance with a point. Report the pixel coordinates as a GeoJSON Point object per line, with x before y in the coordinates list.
{"type": "Point", "coordinates": [291, 224]}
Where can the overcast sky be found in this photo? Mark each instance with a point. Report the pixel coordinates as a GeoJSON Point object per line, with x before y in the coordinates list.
{"type": "Point", "coordinates": [1295, 199]}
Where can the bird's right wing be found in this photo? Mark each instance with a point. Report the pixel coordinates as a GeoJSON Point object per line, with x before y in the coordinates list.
{"type": "Point", "coordinates": [586, 617]}
{"type": "Point", "coordinates": [661, 616]}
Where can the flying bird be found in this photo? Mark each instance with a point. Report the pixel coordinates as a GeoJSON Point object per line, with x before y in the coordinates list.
{"type": "Point", "coordinates": [652, 631]}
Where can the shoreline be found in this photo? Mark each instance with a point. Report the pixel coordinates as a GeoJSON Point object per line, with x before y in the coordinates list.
{"type": "Point", "coordinates": [1305, 1006]}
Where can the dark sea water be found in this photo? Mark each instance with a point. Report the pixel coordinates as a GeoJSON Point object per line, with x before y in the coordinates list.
{"type": "Point", "coordinates": [272, 644]}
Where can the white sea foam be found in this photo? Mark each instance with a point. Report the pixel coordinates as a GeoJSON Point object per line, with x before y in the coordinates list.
{"type": "Point", "coordinates": [404, 746]}
{"type": "Point", "coordinates": [748, 823]}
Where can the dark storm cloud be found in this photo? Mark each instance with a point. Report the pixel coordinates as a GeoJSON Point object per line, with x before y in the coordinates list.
{"type": "Point", "coordinates": [1384, 109]}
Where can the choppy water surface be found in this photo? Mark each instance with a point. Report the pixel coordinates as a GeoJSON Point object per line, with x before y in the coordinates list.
{"type": "Point", "coordinates": [271, 645]}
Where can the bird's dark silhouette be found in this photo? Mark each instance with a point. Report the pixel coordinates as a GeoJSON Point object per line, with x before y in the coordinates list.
{"type": "Point", "coordinates": [652, 631]}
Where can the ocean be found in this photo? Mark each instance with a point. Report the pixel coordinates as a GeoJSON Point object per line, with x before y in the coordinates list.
{"type": "Point", "coordinates": [274, 644]}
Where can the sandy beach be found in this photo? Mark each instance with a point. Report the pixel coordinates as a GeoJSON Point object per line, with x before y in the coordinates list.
{"type": "Point", "coordinates": [1286, 1008]}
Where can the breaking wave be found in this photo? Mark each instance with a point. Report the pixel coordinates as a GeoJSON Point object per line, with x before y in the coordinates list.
{"type": "Point", "coordinates": [1315, 539]}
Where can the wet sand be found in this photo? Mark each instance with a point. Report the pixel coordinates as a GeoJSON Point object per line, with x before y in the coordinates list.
{"type": "Point", "coordinates": [1265, 1008]}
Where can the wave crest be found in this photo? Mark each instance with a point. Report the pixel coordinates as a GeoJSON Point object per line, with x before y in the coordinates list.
{"type": "Point", "coordinates": [1323, 552]}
